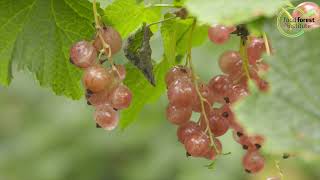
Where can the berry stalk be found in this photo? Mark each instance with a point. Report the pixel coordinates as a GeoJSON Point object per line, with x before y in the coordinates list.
{"type": "Point", "coordinates": [266, 43]}
{"type": "Point", "coordinates": [244, 56]}
{"type": "Point", "coordinates": [195, 82]}
{"type": "Point", "coordinates": [106, 46]}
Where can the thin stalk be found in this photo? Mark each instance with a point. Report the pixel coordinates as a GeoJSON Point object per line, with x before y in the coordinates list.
{"type": "Point", "coordinates": [95, 14]}
{"type": "Point", "coordinates": [244, 57]}
{"type": "Point", "coordinates": [106, 46]}
{"type": "Point", "coordinates": [163, 5]}
{"type": "Point", "coordinates": [161, 21]}
{"type": "Point", "coordinates": [195, 82]}
{"type": "Point", "coordinates": [290, 4]}
{"type": "Point", "coordinates": [279, 169]}
{"type": "Point", "coordinates": [266, 43]}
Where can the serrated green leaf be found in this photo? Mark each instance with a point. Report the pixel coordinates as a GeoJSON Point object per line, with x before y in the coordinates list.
{"type": "Point", "coordinates": [289, 115]}
{"type": "Point", "coordinates": [143, 91]}
{"type": "Point", "coordinates": [173, 33]}
{"type": "Point", "coordinates": [12, 18]}
{"type": "Point", "coordinates": [127, 16]}
{"type": "Point", "coordinates": [231, 12]}
{"type": "Point", "coordinates": [176, 34]}
{"type": "Point", "coordinates": [37, 36]}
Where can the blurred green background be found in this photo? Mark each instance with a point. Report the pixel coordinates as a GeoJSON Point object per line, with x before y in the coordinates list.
{"type": "Point", "coordinates": [47, 137]}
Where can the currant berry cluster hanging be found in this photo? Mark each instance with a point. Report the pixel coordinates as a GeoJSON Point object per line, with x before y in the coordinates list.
{"type": "Point", "coordinates": [104, 88]}
{"type": "Point", "coordinates": [187, 94]}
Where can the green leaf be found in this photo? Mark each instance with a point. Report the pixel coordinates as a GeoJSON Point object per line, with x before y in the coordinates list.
{"type": "Point", "coordinates": [12, 18]}
{"type": "Point", "coordinates": [143, 91]}
{"type": "Point", "coordinates": [289, 114]}
{"type": "Point", "coordinates": [138, 51]}
{"type": "Point", "coordinates": [37, 36]}
{"type": "Point", "coordinates": [127, 16]}
{"type": "Point", "coordinates": [231, 12]}
{"type": "Point", "coordinates": [179, 2]}
{"type": "Point", "coordinates": [176, 34]}
{"type": "Point", "coordinates": [169, 34]}
{"type": "Point", "coordinates": [256, 27]}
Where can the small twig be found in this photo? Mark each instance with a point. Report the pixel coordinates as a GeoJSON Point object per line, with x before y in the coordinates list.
{"type": "Point", "coordinates": [266, 43]}
{"type": "Point", "coordinates": [195, 82]}
{"type": "Point", "coordinates": [279, 169]}
{"type": "Point", "coordinates": [163, 5]}
{"type": "Point", "coordinates": [161, 21]}
{"type": "Point", "coordinates": [105, 45]}
{"type": "Point", "coordinates": [290, 4]}
{"type": "Point", "coordinates": [244, 57]}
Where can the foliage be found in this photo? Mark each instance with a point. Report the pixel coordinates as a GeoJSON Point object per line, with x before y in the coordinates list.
{"type": "Point", "coordinates": [36, 36]}
{"type": "Point", "coordinates": [289, 114]}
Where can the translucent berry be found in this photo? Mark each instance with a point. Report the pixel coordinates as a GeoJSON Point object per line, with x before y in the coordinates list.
{"type": "Point", "coordinates": [177, 72]}
{"type": "Point", "coordinates": [219, 34]}
{"type": "Point", "coordinates": [83, 54]}
{"type": "Point", "coordinates": [120, 73]}
{"type": "Point", "coordinates": [186, 130]}
{"type": "Point", "coordinates": [253, 162]}
{"type": "Point", "coordinates": [230, 62]}
{"type": "Point", "coordinates": [237, 92]}
{"type": "Point", "coordinates": [218, 124]}
{"type": "Point", "coordinates": [263, 85]}
{"type": "Point", "coordinates": [106, 117]}
{"type": "Point", "coordinates": [238, 135]}
{"type": "Point", "coordinates": [219, 86]}
{"type": "Point", "coordinates": [256, 47]}
{"type": "Point", "coordinates": [96, 78]}
{"type": "Point", "coordinates": [256, 142]}
{"type": "Point", "coordinates": [197, 144]}
{"type": "Point", "coordinates": [99, 98]}
{"type": "Point", "coordinates": [121, 97]}
{"type": "Point", "coordinates": [207, 94]}
{"type": "Point", "coordinates": [111, 37]}
{"type": "Point", "coordinates": [178, 115]}
{"type": "Point", "coordinates": [181, 93]}
{"type": "Point", "coordinates": [226, 113]}
{"type": "Point", "coordinates": [212, 153]}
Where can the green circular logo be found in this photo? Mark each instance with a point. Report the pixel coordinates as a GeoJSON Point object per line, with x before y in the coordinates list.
{"type": "Point", "coordinates": [289, 26]}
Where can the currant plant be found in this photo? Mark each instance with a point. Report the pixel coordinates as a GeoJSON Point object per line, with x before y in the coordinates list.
{"type": "Point", "coordinates": [118, 92]}
{"type": "Point", "coordinates": [104, 87]}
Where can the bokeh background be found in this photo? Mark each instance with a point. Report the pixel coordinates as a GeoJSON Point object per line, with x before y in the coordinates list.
{"type": "Point", "coordinates": [48, 137]}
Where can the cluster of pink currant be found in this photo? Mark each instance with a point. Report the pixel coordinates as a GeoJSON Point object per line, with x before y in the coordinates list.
{"type": "Point", "coordinates": [233, 86]}
{"type": "Point", "coordinates": [187, 95]}
{"type": "Point", "coordinates": [104, 87]}
{"type": "Point", "coordinates": [309, 10]}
